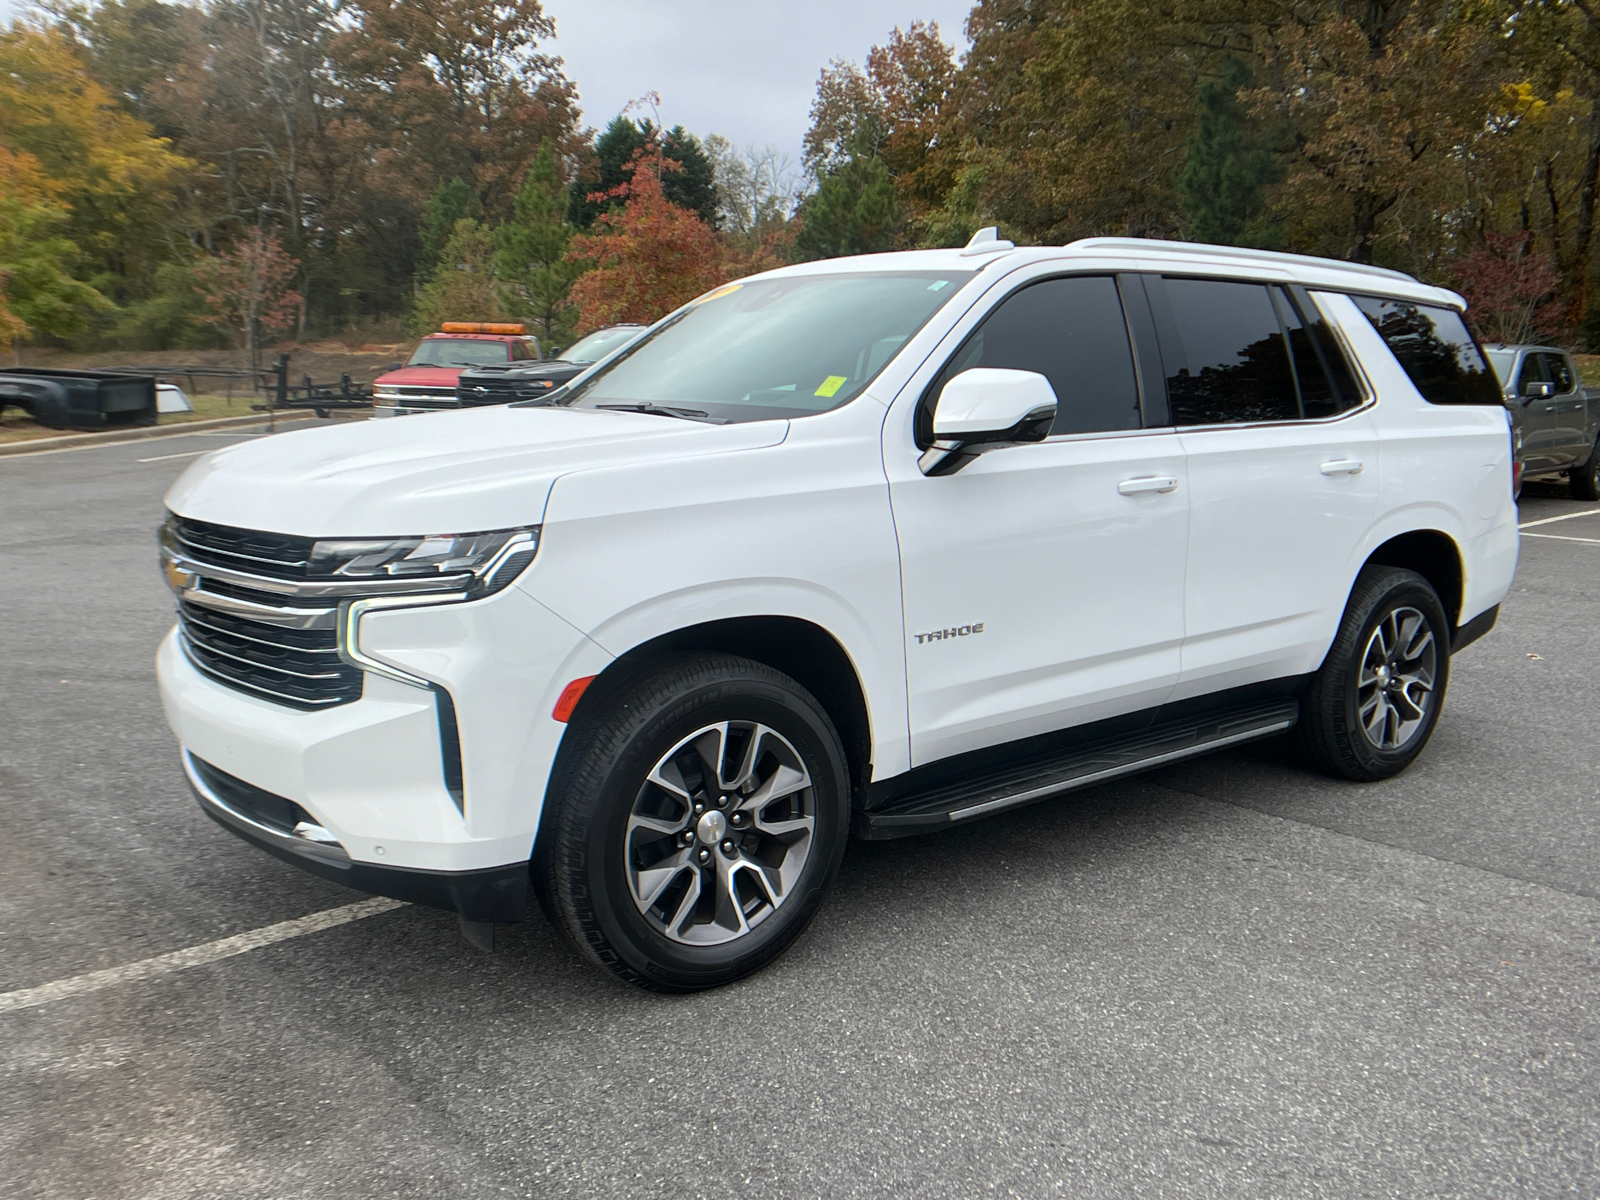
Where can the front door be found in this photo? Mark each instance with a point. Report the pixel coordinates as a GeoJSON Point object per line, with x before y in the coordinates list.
{"type": "Point", "coordinates": [1043, 584]}
{"type": "Point", "coordinates": [1540, 418]}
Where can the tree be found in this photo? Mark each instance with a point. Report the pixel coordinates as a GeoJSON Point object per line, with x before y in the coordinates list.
{"type": "Point", "coordinates": [532, 249]}
{"type": "Point", "coordinates": [756, 189]}
{"type": "Point", "coordinates": [449, 203]}
{"type": "Point", "coordinates": [898, 110]}
{"type": "Point", "coordinates": [691, 185]}
{"type": "Point", "coordinates": [1380, 99]}
{"type": "Point", "coordinates": [114, 181]}
{"type": "Point", "coordinates": [458, 88]}
{"type": "Point", "coordinates": [1510, 289]}
{"type": "Point", "coordinates": [649, 257]}
{"type": "Point", "coordinates": [246, 290]}
{"type": "Point", "coordinates": [1227, 168]}
{"type": "Point", "coordinates": [853, 211]}
{"type": "Point", "coordinates": [463, 287]}
{"type": "Point", "coordinates": [38, 293]}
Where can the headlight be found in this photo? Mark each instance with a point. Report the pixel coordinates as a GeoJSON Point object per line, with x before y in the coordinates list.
{"type": "Point", "coordinates": [486, 562]}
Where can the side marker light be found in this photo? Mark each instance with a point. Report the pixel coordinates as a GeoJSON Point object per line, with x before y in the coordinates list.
{"type": "Point", "coordinates": [570, 695]}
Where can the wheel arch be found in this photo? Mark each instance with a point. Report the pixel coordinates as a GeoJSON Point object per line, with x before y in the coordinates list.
{"type": "Point", "coordinates": [801, 649]}
{"type": "Point", "coordinates": [1435, 556]}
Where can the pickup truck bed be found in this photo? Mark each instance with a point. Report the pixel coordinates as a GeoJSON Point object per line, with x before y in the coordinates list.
{"type": "Point", "coordinates": [85, 399]}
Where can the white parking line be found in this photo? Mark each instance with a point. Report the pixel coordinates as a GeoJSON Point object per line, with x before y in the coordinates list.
{"type": "Point", "coordinates": [1556, 537]}
{"type": "Point", "coordinates": [185, 454]}
{"type": "Point", "coordinates": [1588, 512]}
{"type": "Point", "coordinates": [194, 956]}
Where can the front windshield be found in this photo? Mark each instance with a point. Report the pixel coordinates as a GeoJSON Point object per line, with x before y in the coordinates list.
{"type": "Point", "coordinates": [1502, 361]}
{"type": "Point", "coordinates": [785, 347]}
{"type": "Point", "coordinates": [457, 352]}
{"type": "Point", "coordinates": [599, 344]}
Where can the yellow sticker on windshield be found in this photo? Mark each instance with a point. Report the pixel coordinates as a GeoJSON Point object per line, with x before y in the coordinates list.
{"type": "Point", "coordinates": [830, 385]}
{"type": "Point", "coordinates": [726, 289]}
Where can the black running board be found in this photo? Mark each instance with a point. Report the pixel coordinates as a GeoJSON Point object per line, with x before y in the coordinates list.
{"type": "Point", "coordinates": [1040, 778]}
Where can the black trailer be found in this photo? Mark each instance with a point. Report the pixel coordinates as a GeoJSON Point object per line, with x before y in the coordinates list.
{"type": "Point", "coordinates": [81, 399]}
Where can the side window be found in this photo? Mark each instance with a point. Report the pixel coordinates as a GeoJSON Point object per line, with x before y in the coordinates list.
{"type": "Point", "coordinates": [1435, 348]}
{"type": "Point", "coordinates": [1231, 361]}
{"type": "Point", "coordinates": [1327, 386]}
{"type": "Point", "coordinates": [1071, 331]}
{"type": "Point", "coordinates": [1535, 369]}
{"type": "Point", "coordinates": [1560, 372]}
{"type": "Point", "coordinates": [519, 351]}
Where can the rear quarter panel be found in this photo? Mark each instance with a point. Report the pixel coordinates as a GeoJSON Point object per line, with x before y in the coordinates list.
{"type": "Point", "coordinates": [1445, 467]}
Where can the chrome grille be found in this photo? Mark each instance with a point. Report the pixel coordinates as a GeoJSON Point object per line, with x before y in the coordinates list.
{"type": "Point", "coordinates": [276, 554]}
{"type": "Point", "coordinates": [297, 667]}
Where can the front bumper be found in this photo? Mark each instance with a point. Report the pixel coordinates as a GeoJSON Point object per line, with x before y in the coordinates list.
{"type": "Point", "coordinates": [371, 772]}
{"type": "Point", "coordinates": [498, 894]}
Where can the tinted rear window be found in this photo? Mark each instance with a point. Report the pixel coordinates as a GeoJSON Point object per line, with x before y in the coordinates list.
{"type": "Point", "coordinates": [1231, 363]}
{"type": "Point", "coordinates": [1436, 350]}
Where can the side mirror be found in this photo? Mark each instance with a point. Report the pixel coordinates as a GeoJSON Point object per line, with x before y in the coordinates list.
{"type": "Point", "coordinates": [394, 366]}
{"type": "Point", "coordinates": [985, 408]}
{"type": "Point", "coordinates": [1538, 391]}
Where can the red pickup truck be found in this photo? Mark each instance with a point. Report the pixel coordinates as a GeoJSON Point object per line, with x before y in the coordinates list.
{"type": "Point", "coordinates": [427, 380]}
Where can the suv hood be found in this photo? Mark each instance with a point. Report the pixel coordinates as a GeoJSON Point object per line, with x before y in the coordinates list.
{"type": "Point", "coordinates": [450, 472]}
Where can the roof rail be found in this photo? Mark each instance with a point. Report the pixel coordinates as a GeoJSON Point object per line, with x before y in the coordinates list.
{"type": "Point", "coordinates": [1205, 249]}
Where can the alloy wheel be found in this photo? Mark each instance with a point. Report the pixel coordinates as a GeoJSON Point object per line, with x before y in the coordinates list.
{"type": "Point", "coordinates": [1396, 683]}
{"type": "Point", "coordinates": [719, 833]}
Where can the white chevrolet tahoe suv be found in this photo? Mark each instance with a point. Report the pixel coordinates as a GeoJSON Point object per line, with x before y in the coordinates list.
{"type": "Point", "coordinates": [876, 545]}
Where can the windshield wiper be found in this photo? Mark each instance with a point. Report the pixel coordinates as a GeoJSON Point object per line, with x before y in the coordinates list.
{"type": "Point", "coordinates": [667, 410]}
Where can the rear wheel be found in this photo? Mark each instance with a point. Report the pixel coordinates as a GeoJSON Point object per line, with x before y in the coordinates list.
{"type": "Point", "coordinates": [1584, 482]}
{"type": "Point", "coordinates": [1374, 704]}
{"type": "Point", "coordinates": [701, 813]}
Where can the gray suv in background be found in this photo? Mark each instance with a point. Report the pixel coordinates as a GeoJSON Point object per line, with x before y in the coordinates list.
{"type": "Point", "coordinates": [1556, 418]}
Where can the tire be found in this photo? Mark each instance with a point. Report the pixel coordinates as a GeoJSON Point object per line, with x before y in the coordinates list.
{"type": "Point", "coordinates": [1368, 713]}
{"type": "Point", "coordinates": [611, 867]}
{"type": "Point", "coordinates": [1584, 482]}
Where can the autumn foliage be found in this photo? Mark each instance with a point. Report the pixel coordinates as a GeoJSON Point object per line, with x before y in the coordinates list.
{"type": "Point", "coordinates": [247, 289]}
{"type": "Point", "coordinates": [647, 258]}
{"type": "Point", "coordinates": [1510, 288]}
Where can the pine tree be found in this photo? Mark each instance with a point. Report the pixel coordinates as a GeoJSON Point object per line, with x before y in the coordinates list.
{"type": "Point", "coordinates": [853, 211]}
{"type": "Point", "coordinates": [450, 202]}
{"type": "Point", "coordinates": [1228, 168]}
{"type": "Point", "coordinates": [463, 284]}
{"type": "Point", "coordinates": [532, 256]}
{"type": "Point", "coordinates": [692, 186]}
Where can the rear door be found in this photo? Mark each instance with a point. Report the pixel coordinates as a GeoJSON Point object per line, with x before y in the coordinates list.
{"type": "Point", "coordinates": [1042, 583]}
{"type": "Point", "coordinates": [1283, 476]}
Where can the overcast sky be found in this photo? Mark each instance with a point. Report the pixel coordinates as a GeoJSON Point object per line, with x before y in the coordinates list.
{"type": "Point", "coordinates": [746, 69]}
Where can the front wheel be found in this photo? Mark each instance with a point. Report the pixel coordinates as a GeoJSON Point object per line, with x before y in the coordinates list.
{"type": "Point", "coordinates": [1374, 704]}
{"type": "Point", "coordinates": [700, 813]}
{"type": "Point", "coordinates": [1584, 482]}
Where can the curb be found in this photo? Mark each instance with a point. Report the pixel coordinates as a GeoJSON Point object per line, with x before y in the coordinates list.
{"type": "Point", "coordinates": [110, 437]}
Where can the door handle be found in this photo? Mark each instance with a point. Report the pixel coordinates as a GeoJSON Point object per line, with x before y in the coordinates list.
{"type": "Point", "coordinates": [1343, 466]}
{"type": "Point", "coordinates": [1148, 483]}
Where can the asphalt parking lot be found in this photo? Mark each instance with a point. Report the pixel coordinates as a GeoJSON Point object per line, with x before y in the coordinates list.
{"type": "Point", "coordinates": [1227, 978]}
